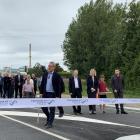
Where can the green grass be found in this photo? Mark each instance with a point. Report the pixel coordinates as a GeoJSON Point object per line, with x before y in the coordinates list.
{"type": "Point", "coordinates": [134, 93]}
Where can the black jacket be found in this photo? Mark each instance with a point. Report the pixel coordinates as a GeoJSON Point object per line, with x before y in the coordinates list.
{"type": "Point", "coordinates": [62, 86]}
{"type": "Point", "coordinates": [117, 83]}
{"type": "Point", "coordinates": [72, 85]}
{"type": "Point", "coordinates": [35, 83]}
{"type": "Point", "coordinates": [55, 83]}
{"type": "Point", "coordinates": [90, 84]}
{"type": "Point", "coordinates": [17, 81]}
{"type": "Point", "coordinates": [7, 82]}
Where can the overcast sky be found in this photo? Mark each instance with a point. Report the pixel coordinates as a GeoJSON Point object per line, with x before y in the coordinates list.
{"type": "Point", "coordinates": [42, 23]}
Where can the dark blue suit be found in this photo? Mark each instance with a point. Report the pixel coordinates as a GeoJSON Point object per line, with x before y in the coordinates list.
{"type": "Point", "coordinates": [18, 88]}
{"type": "Point", "coordinates": [76, 92]}
{"type": "Point", "coordinates": [56, 86]}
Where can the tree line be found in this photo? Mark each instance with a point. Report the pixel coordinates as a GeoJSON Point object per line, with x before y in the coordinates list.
{"type": "Point", "coordinates": [105, 36]}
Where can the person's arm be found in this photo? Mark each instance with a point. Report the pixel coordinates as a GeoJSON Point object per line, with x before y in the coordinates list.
{"type": "Point", "coordinates": [97, 85]}
{"type": "Point", "coordinates": [42, 85]}
{"type": "Point", "coordinates": [62, 85]}
{"type": "Point", "coordinates": [70, 85]}
{"type": "Point", "coordinates": [112, 83]}
{"type": "Point", "coordinates": [107, 89]}
{"type": "Point", "coordinates": [88, 86]}
{"type": "Point", "coordinates": [81, 85]}
{"type": "Point", "coordinates": [123, 84]}
{"type": "Point", "coordinates": [33, 90]}
{"type": "Point", "coordinates": [23, 90]}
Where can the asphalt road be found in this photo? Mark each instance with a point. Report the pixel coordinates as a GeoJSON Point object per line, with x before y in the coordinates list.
{"type": "Point", "coordinates": [23, 124]}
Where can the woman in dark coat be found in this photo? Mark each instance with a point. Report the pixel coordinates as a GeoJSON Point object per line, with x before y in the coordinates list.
{"type": "Point", "coordinates": [92, 89]}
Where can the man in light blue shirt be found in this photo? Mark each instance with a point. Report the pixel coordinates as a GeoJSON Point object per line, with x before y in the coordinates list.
{"type": "Point", "coordinates": [49, 86]}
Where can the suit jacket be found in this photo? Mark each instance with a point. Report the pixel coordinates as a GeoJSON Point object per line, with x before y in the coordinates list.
{"type": "Point", "coordinates": [117, 83]}
{"type": "Point", "coordinates": [90, 84]}
{"type": "Point", "coordinates": [62, 86]}
{"type": "Point", "coordinates": [35, 83]}
{"type": "Point", "coordinates": [72, 85]}
{"type": "Point", "coordinates": [55, 83]}
{"type": "Point", "coordinates": [7, 82]}
{"type": "Point", "coordinates": [17, 81]}
{"type": "Point", "coordinates": [1, 80]}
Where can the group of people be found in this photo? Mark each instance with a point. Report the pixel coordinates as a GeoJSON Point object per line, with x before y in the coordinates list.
{"type": "Point", "coordinates": [52, 86]}
{"type": "Point", "coordinates": [17, 85]}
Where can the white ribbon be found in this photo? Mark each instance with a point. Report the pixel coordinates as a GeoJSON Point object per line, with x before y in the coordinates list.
{"type": "Point", "coordinates": [54, 102]}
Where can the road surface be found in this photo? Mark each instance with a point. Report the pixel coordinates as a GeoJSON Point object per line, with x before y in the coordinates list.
{"type": "Point", "coordinates": [23, 124]}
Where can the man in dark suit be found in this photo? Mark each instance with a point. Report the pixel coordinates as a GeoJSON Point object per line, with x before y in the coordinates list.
{"type": "Point", "coordinates": [50, 88]}
{"type": "Point", "coordinates": [18, 84]}
{"type": "Point", "coordinates": [92, 89]}
{"type": "Point", "coordinates": [7, 86]}
{"type": "Point", "coordinates": [75, 90]}
{"type": "Point", "coordinates": [117, 83]}
{"type": "Point", "coordinates": [62, 90]}
{"type": "Point", "coordinates": [1, 85]}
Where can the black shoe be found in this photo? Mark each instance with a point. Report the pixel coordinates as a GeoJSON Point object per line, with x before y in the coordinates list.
{"type": "Point", "coordinates": [46, 124]}
{"type": "Point", "coordinates": [61, 115]}
{"type": "Point", "coordinates": [49, 126]}
{"type": "Point", "coordinates": [104, 112]}
{"type": "Point", "coordinates": [117, 112]}
{"type": "Point", "coordinates": [80, 113]}
{"type": "Point", "coordinates": [123, 112]}
{"type": "Point", "coordinates": [93, 112]}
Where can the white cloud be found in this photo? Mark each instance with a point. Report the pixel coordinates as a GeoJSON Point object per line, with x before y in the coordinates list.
{"type": "Point", "coordinates": [40, 22]}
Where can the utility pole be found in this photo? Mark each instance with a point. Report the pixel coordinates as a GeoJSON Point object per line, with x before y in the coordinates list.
{"type": "Point", "coordinates": [30, 56]}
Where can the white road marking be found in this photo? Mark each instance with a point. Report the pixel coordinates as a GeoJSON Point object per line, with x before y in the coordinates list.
{"type": "Point", "coordinates": [131, 137]}
{"type": "Point", "coordinates": [36, 128]}
{"type": "Point", "coordinates": [129, 108]}
{"type": "Point", "coordinates": [71, 118]}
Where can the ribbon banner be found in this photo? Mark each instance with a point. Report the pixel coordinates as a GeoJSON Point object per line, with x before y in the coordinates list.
{"type": "Point", "coordinates": [54, 102]}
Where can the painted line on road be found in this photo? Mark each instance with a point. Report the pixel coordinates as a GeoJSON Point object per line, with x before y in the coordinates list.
{"type": "Point", "coordinates": [129, 108]}
{"type": "Point", "coordinates": [131, 137]}
{"type": "Point", "coordinates": [70, 118]}
{"type": "Point", "coordinates": [36, 128]}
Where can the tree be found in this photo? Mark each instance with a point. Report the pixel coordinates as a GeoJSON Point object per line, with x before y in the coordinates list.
{"type": "Point", "coordinates": [38, 70]}
{"type": "Point", "coordinates": [91, 37]}
{"type": "Point", "coordinates": [59, 68]}
{"type": "Point", "coordinates": [132, 43]}
{"type": "Point", "coordinates": [105, 36]}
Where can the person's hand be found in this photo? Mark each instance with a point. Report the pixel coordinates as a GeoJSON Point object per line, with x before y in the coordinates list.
{"type": "Point", "coordinates": [107, 89]}
{"type": "Point", "coordinates": [115, 91]}
{"type": "Point", "coordinates": [92, 89]}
